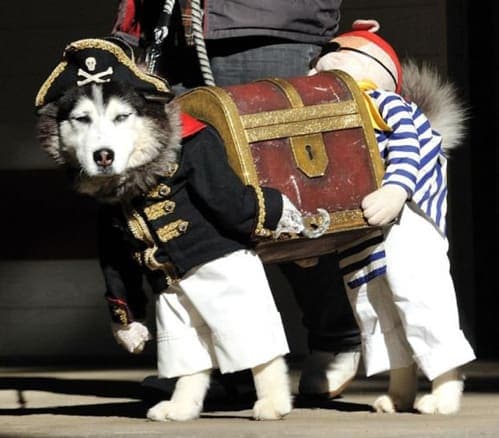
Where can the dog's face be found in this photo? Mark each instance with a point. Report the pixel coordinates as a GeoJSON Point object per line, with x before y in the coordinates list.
{"type": "Point", "coordinates": [109, 133]}
{"type": "Point", "coordinates": [102, 132]}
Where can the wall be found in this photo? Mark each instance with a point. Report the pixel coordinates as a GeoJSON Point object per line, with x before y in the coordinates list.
{"type": "Point", "coordinates": [51, 304]}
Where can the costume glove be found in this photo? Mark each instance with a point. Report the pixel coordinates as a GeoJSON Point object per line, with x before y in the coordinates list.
{"type": "Point", "coordinates": [132, 337]}
{"type": "Point", "coordinates": [291, 219]}
{"type": "Point", "coordinates": [384, 205]}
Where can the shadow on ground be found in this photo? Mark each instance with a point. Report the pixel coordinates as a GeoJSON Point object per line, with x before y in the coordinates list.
{"type": "Point", "coordinates": [232, 393]}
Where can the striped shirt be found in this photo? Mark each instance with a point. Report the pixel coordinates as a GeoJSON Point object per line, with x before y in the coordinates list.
{"type": "Point", "coordinates": [414, 159]}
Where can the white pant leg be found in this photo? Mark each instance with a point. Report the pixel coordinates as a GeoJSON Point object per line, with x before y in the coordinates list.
{"type": "Point", "coordinates": [423, 291]}
{"type": "Point", "coordinates": [183, 339]}
{"type": "Point", "coordinates": [233, 296]}
{"type": "Point", "coordinates": [229, 301]}
{"type": "Point", "coordinates": [384, 345]}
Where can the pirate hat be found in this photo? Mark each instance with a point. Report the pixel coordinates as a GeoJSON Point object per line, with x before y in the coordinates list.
{"type": "Point", "coordinates": [99, 61]}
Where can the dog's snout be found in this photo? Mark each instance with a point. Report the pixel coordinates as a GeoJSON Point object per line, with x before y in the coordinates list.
{"type": "Point", "coordinates": [104, 157]}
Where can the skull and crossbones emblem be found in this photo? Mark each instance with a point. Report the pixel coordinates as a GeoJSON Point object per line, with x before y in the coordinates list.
{"type": "Point", "coordinates": [88, 77]}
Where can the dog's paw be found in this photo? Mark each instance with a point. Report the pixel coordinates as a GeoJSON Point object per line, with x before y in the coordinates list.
{"type": "Point", "coordinates": [390, 404]}
{"type": "Point", "coordinates": [272, 408]}
{"type": "Point", "coordinates": [384, 404]}
{"type": "Point", "coordinates": [446, 404]}
{"type": "Point", "coordinates": [445, 397]}
{"type": "Point", "coordinates": [173, 411]}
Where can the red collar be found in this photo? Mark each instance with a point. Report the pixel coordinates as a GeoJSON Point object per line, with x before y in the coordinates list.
{"type": "Point", "coordinates": [190, 125]}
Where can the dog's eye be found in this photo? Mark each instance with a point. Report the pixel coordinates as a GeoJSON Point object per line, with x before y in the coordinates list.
{"type": "Point", "coordinates": [121, 117]}
{"type": "Point", "coordinates": [82, 119]}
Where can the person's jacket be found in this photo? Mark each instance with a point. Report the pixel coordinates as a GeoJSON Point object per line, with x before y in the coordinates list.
{"type": "Point", "coordinates": [305, 21]}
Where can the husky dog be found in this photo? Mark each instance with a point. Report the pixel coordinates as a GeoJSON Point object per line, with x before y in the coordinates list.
{"type": "Point", "coordinates": [128, 146]}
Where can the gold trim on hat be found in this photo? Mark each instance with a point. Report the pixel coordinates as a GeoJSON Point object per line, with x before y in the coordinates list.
{"type": "Point", "coordinates": [40, 97]}
{"type": "Point", "coordinates": [94, 43]}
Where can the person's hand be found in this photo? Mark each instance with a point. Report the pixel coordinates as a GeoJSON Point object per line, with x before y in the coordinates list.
{"type": "Point", "coordinates": [291, 219]}
{"type": "Point", "coordinates": [132, 337]}
{"type": "Point", "coordinates": [384, 205]}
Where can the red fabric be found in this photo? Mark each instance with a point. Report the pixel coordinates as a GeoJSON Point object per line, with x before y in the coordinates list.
{"type": "Point", "coordinates": [117, 301]}
{"type": "Point", "coordinates": [190, 125]}
{"type": "Point", "coordinates": [127, 21]}
{"type": "Point", "coordinates": [376, 39]}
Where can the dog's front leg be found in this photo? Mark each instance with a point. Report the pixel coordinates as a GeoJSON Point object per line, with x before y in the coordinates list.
{"type": "Point", "coordinates": [272, 390]}
{"type": "Point", "coordinates": [187, 399]}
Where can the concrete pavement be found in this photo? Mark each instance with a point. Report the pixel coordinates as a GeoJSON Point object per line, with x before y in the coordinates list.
{"type": "Point", "coordinates": [42, 402]}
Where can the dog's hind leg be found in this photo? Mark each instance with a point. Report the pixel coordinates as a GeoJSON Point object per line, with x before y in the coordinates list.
{"type": "Point", "coordinates": [273, 390]}
{"type": "Point", "coordinates": [187, 399]}
{"type": "Point", "coordinates": [445, 396]}
{"type": "Point", "coordinates": [401, 391]}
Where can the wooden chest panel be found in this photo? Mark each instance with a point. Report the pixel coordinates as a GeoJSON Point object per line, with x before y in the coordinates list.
{"type": "Point", "coordinates": [310, 137]}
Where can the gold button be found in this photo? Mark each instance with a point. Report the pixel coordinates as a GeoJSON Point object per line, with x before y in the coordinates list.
{"type": "Point", "coordinates": [169, 206]}
{"type": "Point", "coordinates": [182, 226]}
{"type": "Point", "coordinates": [172, 168]}
{"type": "Point", "coordinates": [164, 190]}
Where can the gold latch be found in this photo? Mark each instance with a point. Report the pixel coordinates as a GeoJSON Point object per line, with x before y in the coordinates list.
{"type": "Point", "coordinates": [310, 154]}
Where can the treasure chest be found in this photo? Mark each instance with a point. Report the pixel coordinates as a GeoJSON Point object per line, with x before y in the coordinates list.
{"type": "Point", "coordinates": [310, 137]}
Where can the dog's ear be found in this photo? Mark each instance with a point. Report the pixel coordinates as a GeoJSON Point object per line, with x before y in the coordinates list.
{"type": "Point", "coordinates": [47, 131]}
{"type": "Point", "coordinates": [49, 110]}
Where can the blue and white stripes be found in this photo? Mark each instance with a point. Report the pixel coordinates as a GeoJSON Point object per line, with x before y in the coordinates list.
{"type": "Point", "coordinates": [413, 155]}
{"type": "Point", "coordinates": [363, 261]}
{"type": "Point", "coordinates": [414, 159]}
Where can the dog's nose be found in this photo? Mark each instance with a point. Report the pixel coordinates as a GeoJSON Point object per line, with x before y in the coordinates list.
{"type": "Point", "coordinates": [104, 157]}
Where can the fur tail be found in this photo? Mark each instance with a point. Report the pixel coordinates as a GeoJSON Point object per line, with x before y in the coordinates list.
{"type": "Point", "coordinates": [438, 99]}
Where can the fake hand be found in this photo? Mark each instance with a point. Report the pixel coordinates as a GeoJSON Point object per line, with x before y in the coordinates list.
{"type": "Point", "coordinates": [291, 219]}
{"type": "Point", "coordinates": [384, 205]}
{"type": "Point", "coordinates": [132, 337]}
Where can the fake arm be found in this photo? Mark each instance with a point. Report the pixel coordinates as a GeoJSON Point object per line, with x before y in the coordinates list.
{"type": "Point", "coordinates": [122, 275]}
{"type": "Point", "coordinates": [401, 153]}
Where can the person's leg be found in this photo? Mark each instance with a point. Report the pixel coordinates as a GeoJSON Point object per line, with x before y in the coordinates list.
{"type": "Point", "coordinates": [241, 60]}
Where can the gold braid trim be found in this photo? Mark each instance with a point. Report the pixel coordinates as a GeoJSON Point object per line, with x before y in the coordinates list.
{"type": "Point", "coordinates": [94, 43]}
{"type": "Point", "coordinates": [40, 97]}
{"type": "Point", "coordinates": [260, 230]}
{"type": "Point", "coordinates": [138, 227]}
{"type": "Point", "coordinates": [140, 231]}
{"type": "Point", "coordinates": [172, 230]}
{"type": "Point", "coordinates": [159, 209]}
